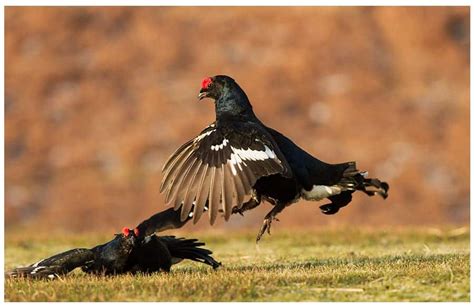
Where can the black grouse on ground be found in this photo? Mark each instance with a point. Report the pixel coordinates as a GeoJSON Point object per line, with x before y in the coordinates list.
{"type": "Point", "coordinates": [127, 252]}
{"type": "Point", "coordinates": [237, 161]}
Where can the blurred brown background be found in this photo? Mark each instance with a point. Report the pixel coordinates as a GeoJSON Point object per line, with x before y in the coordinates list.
{"type": "Point", "coordinates": [96, 99]}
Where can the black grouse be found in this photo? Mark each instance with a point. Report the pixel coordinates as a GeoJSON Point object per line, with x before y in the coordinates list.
{"type": "Point", "coordinates": [127, 252]}
{"type": "Point", "coordinates": [237, 161]}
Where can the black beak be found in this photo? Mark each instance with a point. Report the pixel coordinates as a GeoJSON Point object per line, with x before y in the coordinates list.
{"type": "Point", "coordinates": [202, 94]}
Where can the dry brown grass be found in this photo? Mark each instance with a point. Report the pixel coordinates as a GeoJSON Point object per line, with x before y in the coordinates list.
{"type": "Point", "coordinates": [338, 265]}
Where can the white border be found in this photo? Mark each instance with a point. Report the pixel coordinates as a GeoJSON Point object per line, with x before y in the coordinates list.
{"type": "Point", "coordinates": [237, 3]}
{"type": "Point", "coordinates": [227, 3]}
{"type": "Point", "coordinates": [2, 152]}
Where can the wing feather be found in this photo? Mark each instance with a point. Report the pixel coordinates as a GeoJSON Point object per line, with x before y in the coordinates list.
{"type": "Point", "coordinates": [186, 181]}
{"type": "Point", "coordinates": [219, 168]}
{"type": "Point", "coordinates": [170, 175]}
{"type": "Point", "coordinates": [239, 188]}
{"type": "Point", "coordinates": [202, 194]}
{"type": "Point", "coordinates": [176, 153]}
{"type": "Point", "coordinates": [246, 182]}
{"type": "Point", "coordinates": [214, 194]}
{"type": "Point", "coordinates": [190, 194]}
{"type": "Point", "coordinates": [250, 177]}
{"type": "Point", "coordinates": [228, 191]}
{"type": "Point", "coordinates": [177, 183]}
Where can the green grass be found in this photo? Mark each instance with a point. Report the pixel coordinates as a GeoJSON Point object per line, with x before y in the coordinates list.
{"type": "Point", "coordinates": [335, 265]}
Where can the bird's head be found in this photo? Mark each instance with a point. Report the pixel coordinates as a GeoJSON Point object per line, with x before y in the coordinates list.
{"type": "Point", "coordinates": [123, 242]}
{"type": "Point", "coordinates": [129, 235]}
{"type": "Point", "coordinates": [215, 87]}
{"type": "Point", "coordinates": [230, 99]}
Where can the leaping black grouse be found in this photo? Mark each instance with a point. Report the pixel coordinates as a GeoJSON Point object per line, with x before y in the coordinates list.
{"type": "Point", "coordinates": [237, 157]}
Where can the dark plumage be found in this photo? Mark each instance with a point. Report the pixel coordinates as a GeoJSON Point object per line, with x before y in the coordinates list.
{"type": "Point", "coordinates": [161, 252]}
{"type": "Point", "coordinates": [238, 157]}
{"type": "Point", "coordinates": [125, 253]}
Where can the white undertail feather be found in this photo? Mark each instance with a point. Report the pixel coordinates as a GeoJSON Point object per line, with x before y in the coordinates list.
{"type": "Point", "coordinates": [319, 192]}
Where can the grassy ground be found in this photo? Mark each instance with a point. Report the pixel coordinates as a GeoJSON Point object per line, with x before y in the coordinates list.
{"type": "Point", "coordinates": [337, 265]}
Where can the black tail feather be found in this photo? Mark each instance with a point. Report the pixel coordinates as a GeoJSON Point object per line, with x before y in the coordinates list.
{"type": "Point", "coordinates": [375, 187]}
{"type": "Point", "coordinates": [183, 248]}
{"type": "Point", "coordinates": [352, 180]}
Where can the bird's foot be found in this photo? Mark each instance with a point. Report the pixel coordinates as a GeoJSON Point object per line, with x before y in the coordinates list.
{"type": "Point", "coordinates": [236, 210]}
{"type": "Point", "coordinates": [267, 223]}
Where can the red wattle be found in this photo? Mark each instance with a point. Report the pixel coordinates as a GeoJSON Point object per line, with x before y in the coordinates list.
{"type": "Point", "coordinates": [206, 82]}
{"type": "Point", "coordinates": [126, 231]}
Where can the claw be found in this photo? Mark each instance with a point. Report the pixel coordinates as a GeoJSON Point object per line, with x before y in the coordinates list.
{"type": "Point", "coordinates": [267, 223]}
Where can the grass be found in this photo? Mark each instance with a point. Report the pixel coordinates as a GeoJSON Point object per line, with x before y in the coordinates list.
{"type": "Point", "coordinates": [335, 265]}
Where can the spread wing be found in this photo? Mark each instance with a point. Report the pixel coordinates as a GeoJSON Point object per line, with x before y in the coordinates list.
{"type": "Point", "coordinates": [219, 167]}
{"type": "Point", "coordinates": [56, 265]}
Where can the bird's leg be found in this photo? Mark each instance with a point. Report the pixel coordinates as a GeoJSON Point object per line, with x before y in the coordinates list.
{"type": "Point", "coordinates": [267, 222]}
{"type": "Point", "coordinates": [252, 203]}
{"type": "Point", "coordinates": [337, 202]}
